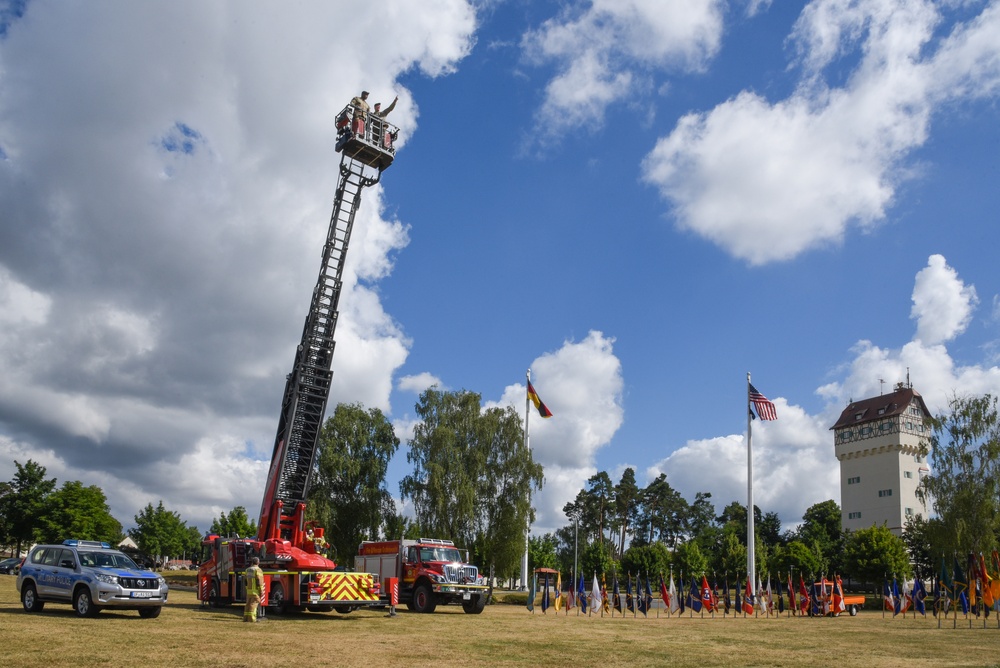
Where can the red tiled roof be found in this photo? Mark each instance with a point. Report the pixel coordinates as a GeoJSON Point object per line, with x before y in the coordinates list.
{"type": "Point", "coordinates": [867, 410]}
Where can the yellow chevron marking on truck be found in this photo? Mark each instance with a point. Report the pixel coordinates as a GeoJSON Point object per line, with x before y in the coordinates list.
{"type": "Point", "coordinates": [346, 587]}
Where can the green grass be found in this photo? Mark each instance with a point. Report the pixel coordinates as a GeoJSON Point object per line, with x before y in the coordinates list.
{"type": "Point", "coordinates": [187, 634]}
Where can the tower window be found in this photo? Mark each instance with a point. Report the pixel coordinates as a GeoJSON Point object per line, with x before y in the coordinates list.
{"type": "Point", "coordinates": [854, 481]}
{"type": "Point", "coordinates": [907, 474]}
{"type": "Point", "coordinates": [885, 492]}
{"type": "Point", "coordinates": [908, 512]}
{"type": "Point", "coordinates": [854, 516]}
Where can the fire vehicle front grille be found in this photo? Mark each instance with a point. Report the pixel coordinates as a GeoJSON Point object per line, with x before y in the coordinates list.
{"type": "Point", "coordinates": [461, 574]}
{"type": "Point", "coordinates": [139, 583]}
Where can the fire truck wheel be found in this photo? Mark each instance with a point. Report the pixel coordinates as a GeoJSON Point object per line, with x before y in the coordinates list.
{"type": "Point", "coordinates": [853, 610]}
{"type": "Point", "coordinates": [214, 600]}
{"type": "Point", "coordinates": [474, 606]}
{"type": "Point", "coordinates": [276, 599]}
{"type": "Point", "coordinates": [423, 598]}
{"type": "Point", "coordinates": [345, 609]}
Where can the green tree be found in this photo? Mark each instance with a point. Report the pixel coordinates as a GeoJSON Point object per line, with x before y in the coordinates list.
{"type": "Point", "coordinates": [662, 512]}
{"type": "Point", "coordinates": [75, 511]}
{"type": "Point", "coordinates": [161, 533]}
{"type": "Point", "coordinates": [626, 500]}
{"type": "Point", "coordinates": [797, 557]}
{"type": "Point", "coordinates": [821, 528]}
{"type": "Point", "coordinates": [647, 560]}
{"type": "Point", "coordinates": [689, 560]}
{"type": "Point", "coordinates": [874, 553]}
{"type": "Point", "coordinates": [237, 523]}
{"type": "Point", "coordinates": [24, 502]}
{"type": "Point", "coordinates": [542, 551]}
{"type": "Point", "coordinates": [472, 476]}
{"type": "Point", "coordinates": [963, 486]}
{"type": "Point", "coordinates": [701, 513]}
{"type": "Point", "coordinates": [349, 496]}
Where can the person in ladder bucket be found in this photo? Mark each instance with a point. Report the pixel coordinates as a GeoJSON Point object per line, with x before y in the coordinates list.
{"type": "Point", "coordinates": [377, 127]}
{"type": "Point", "coordinates": [360, 113]}
{"type": "Point", "coordinates": [254, 588]}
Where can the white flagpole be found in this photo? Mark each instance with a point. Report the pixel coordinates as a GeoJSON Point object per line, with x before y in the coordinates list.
{"type": "Point", "coordinates": [751, 543]}
{"type": "Point", "coordinates": [527, 445]}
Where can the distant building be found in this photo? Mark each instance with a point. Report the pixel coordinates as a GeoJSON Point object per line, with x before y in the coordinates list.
{"type": "Point", "coordinates": [878, 443]}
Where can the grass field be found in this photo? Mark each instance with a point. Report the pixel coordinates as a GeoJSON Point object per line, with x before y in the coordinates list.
{"type": "Point", "coordinates": [186, 634]}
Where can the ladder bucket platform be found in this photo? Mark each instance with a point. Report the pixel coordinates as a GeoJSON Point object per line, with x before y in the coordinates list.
{"type": "Point", "coordinates": [366, 138]}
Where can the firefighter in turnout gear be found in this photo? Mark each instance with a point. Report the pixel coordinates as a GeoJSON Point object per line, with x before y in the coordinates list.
{"type": "Point", "coordinates": [255, 589]}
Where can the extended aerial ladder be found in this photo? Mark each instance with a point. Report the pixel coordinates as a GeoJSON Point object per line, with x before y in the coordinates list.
{"type": "Point", "coordinates": [366, 153]}
{"type": "Point", "coordinates": [297, 574]}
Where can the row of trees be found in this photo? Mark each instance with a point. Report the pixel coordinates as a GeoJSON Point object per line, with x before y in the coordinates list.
{"type": "Point", "coordinates": [34, 510]}
{"type": "Point", "coordinates": [471, 478]}
{"type": "Point", "coordinates": [622, 528]}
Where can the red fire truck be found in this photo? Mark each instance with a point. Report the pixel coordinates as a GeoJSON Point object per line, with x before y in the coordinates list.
{"type": "Point", "coordinates": [431, 572]}
{"type": "Point", "coordinates": [297, 575]}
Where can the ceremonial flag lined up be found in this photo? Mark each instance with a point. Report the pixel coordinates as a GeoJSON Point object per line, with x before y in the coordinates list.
{"type": "Point", "coordinates": [887, 597]}
{"type": "Point", "coordinates": [803, 597]}
{"type": "Point", "coordinates": [682, 593]}
{"type": "Point", "coordinates": [791, 594]}
{"type": "Point", "coordinates": [748, 598]}
{"type": "Point", "coordinates": [605, 603]}
{"type": "Point", "coordinates": [707, 598]}
{"type": "Point", "coordinates": [581, 596]}
{"type": "Point", "coordinates": [694, 596]}
{"type": "Point", "coordinates": [665, 595]}
{"type": "Point", "coordinates": [629, 603]}
{"type": "Point", "coordinates": [675, 604]}
{"type": "Point", "coordinates": [727, 602]}
{"type": "Point", "coordinates": [649, 594]}
{"type": "Point", "coordinates": [838, 595]}
{"type": "Point", "coordinates": [989, 599]}
{"type": "Point", "coordinates": [596, 602]}
{"type": "Point", "coordinates": [781, 598]}
{"type": "Point", "coordinates": [532, 592]}
{"type": "Point", "coordinates": [570, 598]}
{"type": "Point", "coordinates": [960, 587]}
{"type": "Point", "coordinates": [557, 603]}
{"type": "Point", "coordinates": [545, 594]}
{"type": "Point", "coordinates": [617, 594]}
{"type": "Point", "coordinates": [919, 594]}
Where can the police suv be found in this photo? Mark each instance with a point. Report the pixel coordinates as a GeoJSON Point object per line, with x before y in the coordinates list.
{"type": "Point", "coordinates": [91, 576]}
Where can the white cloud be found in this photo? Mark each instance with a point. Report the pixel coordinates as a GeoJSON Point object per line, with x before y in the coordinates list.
{"type": "Point", "coordinates": [794, 462]}
{"type": "Point", "coordinates": [581, 383]}
{"type": "Point", "coordinates": [942, 303]}
{"type": "Point", "coordinates": [166, 186]}
{"type": "Point", "coordinates": [767, 181]}
{"type": "Point", "coordinates": [602, 50]}
{"type": "Point", "coordinates": [419, 382]}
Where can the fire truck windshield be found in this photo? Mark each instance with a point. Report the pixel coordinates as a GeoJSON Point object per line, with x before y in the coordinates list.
{"type": "Point", "coordinates": [439, 554]}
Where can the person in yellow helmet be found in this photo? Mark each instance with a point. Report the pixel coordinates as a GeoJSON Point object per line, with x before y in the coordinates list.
{"type": "Point", "coordinates": [255, 589]}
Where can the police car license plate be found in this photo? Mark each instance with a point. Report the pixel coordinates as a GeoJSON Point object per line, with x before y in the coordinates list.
{"type": "Point", "coordinates": [142, 594]}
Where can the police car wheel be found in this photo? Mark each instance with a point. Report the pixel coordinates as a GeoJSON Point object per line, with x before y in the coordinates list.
{"type": "Point", "coordinates": [83, 604]}
{"type": "Point", "coordinates": [29, 598]}
{"type": "Point", "coordinates": [149, 613]}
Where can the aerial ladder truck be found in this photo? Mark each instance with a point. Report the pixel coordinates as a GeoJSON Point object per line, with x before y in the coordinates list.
{"type": "Point", "coordinates": [297, 575]}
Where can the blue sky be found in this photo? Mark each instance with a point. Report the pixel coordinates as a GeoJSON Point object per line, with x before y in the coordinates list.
{"type": "Point", "coordinates": [640, 201]}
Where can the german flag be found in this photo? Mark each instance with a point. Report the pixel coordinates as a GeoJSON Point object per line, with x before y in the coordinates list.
{"type": "Point", "coordinates": [542, 408]}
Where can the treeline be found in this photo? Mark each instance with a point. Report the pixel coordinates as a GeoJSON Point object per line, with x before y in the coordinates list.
{"type": "Point", "coordinates": [33, 510]}
{"type": "Point", "coordinates": [619, 527]}
{"type": "Point", "coordinates": [623, 528]}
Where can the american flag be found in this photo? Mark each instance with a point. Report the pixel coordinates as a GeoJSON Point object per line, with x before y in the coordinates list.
{"type": "Point", "coordinates": [765, 409]}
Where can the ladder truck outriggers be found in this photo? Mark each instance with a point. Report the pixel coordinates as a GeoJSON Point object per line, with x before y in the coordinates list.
{"type": "Point", "coordinates": [297, 575]}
